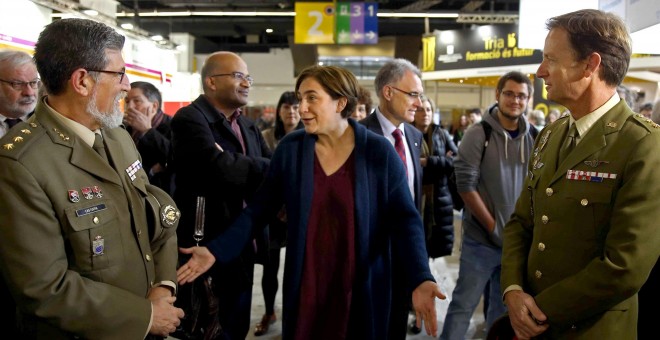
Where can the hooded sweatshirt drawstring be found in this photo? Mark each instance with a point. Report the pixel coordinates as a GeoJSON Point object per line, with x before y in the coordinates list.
{"type": "Point", "coordinates": [522, 146]}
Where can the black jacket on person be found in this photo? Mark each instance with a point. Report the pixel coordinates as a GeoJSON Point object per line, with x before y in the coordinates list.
{"type": "Point", "coordinates": [155, 147]}
{"type": "Point", "coordinates": [226, 178]}
{"type": "Point", "coordinates": [209, 162]}
{"type": "Point", "coordinates": [440, 239]}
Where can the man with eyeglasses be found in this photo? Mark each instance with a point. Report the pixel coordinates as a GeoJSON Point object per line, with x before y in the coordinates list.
{"type": "Point", "coordinates": [19, 84]}
{"type": "Point", "coordinates": [399, 88]}
{"type": "Point", "coordinates": [489, 177]}
{"type": "Point", "coordinates": [87, 245]}
{"type": "Point", "coordinates": [18, 97]}
{"type": "Point", "coordinates": [220, 155]}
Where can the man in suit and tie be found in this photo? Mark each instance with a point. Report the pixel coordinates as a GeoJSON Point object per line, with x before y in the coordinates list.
{"type": "Point", "coordinates": [87, 245]}
{"type": "Point", "coordinates": [221, 155]}
{"type": "Point", "coordinates": [18, 89]}
{"type": "Point", "coordinates": [584, 236]}
{"type": "Point", "coordinates": [399, 89]}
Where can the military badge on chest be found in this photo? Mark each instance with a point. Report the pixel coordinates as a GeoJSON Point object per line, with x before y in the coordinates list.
{"type": "Point", "coordinates": [133, 169]}
{"type": "Point", "coordinates": [98, 246]}
{"type": "Point", "coordinates": [87, 192]}
{"type": "Point", "coordinates": [536, 162]}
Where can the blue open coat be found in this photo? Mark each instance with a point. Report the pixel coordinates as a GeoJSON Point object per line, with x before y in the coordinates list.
{"type": "Point", "coordinates": [388, 227]}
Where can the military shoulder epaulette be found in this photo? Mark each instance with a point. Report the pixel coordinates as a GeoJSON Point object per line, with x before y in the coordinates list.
{"type": "Point", "coordinates": [647, 122]}
{"type": "Point", "coordinates": [18, 138]}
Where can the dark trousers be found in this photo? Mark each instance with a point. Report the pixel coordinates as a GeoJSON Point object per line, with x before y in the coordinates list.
{"type": "Point", "coordinates": [8, 312]}
{"type": "Point", "coordinates": [269, 282]}
{"type": "Point", "coordinates": [648, 306]}
{"type": "Point", "coordinates": [234, 308]}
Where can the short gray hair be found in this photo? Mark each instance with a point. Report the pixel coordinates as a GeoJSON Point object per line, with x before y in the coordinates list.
{"type": "Point", "coordinates": [66, 45]}
{"type": "Point", "coordinates": [12, 59]}
{"type": "Point", "coordinates": [392, 72]}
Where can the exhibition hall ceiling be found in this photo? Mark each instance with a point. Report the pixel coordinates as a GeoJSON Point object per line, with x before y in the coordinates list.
{"type": "Point", "coordinates": [249, 33]}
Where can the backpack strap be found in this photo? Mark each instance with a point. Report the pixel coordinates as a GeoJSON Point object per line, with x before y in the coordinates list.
{"type": "Point", "coordinates": [487, 132]}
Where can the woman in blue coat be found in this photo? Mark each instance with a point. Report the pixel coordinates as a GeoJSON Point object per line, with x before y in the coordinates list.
{"type": "Point", "coordinates": [351, 221]}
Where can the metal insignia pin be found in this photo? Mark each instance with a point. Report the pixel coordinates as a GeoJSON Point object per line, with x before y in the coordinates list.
{"type": "Point", "coordinates": [170, 215]}
{"type": "Point", "coordinates": [73, 196]}
{"type": "Point", "coordinates": [87, 193]}
{"type": "Point", "coordinates": [98, 245]}
{"type": "Point", "coordinates": [26, 131]}
{"type": "Point", "coordinates": [33, 125]}
{"type": "Point", "coordinates": [8, 146]}
{"type": "Point", "coordinates": [611, 124]}
{"type": "Point", "coordinates": [97, 191]}
{"type": "Point", "coordinates": [18, 139]}
{"type": "Point", "coordinates": [595, 163]}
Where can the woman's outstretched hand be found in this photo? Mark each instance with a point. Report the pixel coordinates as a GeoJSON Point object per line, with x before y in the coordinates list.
{"type": "Point", "coordinates": [200, 262]}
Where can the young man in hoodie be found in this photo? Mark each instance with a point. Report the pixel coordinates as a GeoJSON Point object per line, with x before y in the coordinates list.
{"type": "Point", "coordinates": [489, 178]}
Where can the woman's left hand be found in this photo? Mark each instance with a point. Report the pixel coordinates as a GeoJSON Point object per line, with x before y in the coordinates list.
{"type": "Point", "coordinates": [424, 304]}
{"type": "Point", "coordinates": [200, 262]}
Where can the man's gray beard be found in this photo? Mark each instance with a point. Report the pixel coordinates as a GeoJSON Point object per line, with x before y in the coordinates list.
{"type": "Point", "coordinates": [109, 120]}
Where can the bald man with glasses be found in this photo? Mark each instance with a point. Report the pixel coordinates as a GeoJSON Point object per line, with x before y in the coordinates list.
{"type": "Point", "coordinates": [19, 84]}
{"type": "Point", "coordinates": [220, 155]}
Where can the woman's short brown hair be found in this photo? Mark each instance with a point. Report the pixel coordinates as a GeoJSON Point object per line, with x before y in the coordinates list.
{"type": "Point", "coordinates": [338, 82]}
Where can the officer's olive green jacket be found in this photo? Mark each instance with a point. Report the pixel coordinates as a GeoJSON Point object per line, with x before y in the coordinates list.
{"type": "Point", "coordinates": [584, 235]}
{"type": "Point", "coordinates": [81, 243]}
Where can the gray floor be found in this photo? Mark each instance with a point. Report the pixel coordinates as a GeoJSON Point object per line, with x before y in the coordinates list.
{"type": "Point", "coordinates": [444, 269]}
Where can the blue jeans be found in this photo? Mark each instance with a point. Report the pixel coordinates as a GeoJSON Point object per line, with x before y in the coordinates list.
{"type": "Point", "coordinates": [479, 264]}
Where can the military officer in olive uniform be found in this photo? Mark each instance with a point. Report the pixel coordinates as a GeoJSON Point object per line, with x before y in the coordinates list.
{"type": "Point", "coordinates": [87, 245]}
{"type": "Point", "coordinates": [584, 235]}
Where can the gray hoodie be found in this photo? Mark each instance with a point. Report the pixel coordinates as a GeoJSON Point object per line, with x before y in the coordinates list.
{"type": "Point", "coordinates": [498, 178]}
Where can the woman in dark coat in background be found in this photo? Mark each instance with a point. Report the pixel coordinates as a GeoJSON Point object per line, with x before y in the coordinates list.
{"type": "Point", "coordinates": [438, 164]}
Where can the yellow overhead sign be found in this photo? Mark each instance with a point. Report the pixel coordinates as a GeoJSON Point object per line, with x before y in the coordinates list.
{"type": "Point", "coordinates": [314, 23]}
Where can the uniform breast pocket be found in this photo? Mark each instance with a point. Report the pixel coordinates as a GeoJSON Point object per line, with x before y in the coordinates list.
{"type": "Point", "coordinates": [592, 203]}
{"type": "Point", "coordinates": [94, 239]}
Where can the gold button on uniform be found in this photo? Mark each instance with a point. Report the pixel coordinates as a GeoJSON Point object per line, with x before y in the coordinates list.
{"type": "Point", "coordinates": [541, 246]}
{"type": "Point", "coordinates": [96, 220]}
{"type": "Point", "coordinates": [538, 274]}
{"type": "Point", "coordinates": [148, 257]}
{"type": "Point", "coordinates": [545, 219]}
{"type": "Point", "coordinates": [584, 202]}
{"type": "Point", "coordinates": [549, 191]}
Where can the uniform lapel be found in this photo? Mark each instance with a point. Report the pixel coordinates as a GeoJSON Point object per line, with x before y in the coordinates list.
{"type": "Point", "coordinates": [82, 155]}
{"type": "Point", "coordinates": [85, 158]}
{"type": "Point", "coordinates": [593, 141]}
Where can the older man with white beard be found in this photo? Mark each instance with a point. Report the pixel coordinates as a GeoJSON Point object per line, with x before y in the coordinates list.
{"type": "Point", "coordinates": [19, 84]}
{"type": "Point", "coordinates": [87, 245]}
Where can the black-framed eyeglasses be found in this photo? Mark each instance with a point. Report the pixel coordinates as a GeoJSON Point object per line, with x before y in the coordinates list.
{"type": "Point", "coordinates": [512, 95]}
{"type": "Point", "coordinates": [19, 85]}
{"type": "Point", "coordinates": [237, 75]}
{"type": "Point", "coordinates": [119, 73]}
{"type": "Point", "coordinates": [413, 95]}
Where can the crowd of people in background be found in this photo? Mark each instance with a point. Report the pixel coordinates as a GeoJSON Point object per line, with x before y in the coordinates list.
{"type": "Point", "coordinates": [137, 224]}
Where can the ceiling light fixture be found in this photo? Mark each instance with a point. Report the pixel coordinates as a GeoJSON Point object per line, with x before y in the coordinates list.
{"type": "Point", "coordinates": [127, 26]}
{"type": "Point", "coordinates": [90, 12]}
{"type": "Point", "coordinates": [269, 30]}
{"type": "Point", "coordinates": [157, 37]}
{"type": "Point", "coordinates": [273, 14]}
